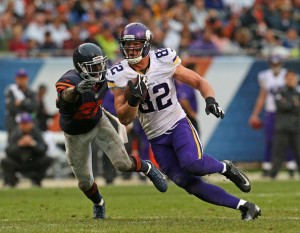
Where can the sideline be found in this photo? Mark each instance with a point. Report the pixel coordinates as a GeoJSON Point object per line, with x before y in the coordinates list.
{"type": "Point", "coordinates": [135, 180]}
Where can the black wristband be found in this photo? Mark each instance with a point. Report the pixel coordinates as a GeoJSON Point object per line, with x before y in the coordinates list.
{"type": "Point", "coordinates": [133, 101]}
{"type": "Point", "coordinates": [210, 100]}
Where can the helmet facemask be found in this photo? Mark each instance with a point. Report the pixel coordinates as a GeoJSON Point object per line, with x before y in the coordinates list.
{"type": "Point", "coordinates": [94, 69]}
{"type": "Point", "coordinates": [134, 50]}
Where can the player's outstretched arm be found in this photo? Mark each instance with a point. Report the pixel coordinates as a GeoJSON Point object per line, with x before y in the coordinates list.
{"type": "Point", "coordinates": [194, 80]}
{"type": "Point", "coordinates": [69, 95]}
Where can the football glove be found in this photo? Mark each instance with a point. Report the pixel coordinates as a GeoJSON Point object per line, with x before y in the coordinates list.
{"type": "Point", "coordinates": [85, 85]}
{"type": "Point", "coordinates": [213, 107]}
{"type": "Point", "coordinates": [139, 87]}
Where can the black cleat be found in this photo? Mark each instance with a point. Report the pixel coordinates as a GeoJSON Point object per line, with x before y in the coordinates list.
{"type": "Point", "coordinates": [250, 211]}
{"type": "Point", "coordinates": [157, 178]}
{"type": "Point", "coordinates": [237, 177]}
{"type": "Point", "coordinates": [99, 211]}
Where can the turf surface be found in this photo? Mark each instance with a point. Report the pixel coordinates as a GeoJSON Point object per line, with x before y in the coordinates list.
{"type": "Point", "coordinates": [138, 209]}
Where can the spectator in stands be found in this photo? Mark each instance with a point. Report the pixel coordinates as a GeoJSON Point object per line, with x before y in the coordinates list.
{"type": "Point", "coordinates": [223, 43]}
{"type": "Point", "coordinates": [107, 42]}
{"type": "Point", "coordinates": [17, 43]}
{"type": "Point", "coordinates": [199, 13]}
{"type": "Point", "coordinates": [271, 14]}
{"type": "Point", "coordinates": [177, 20]}
{"type": "Point", "coordinates": [287, 123]}
{"type": "Point", "coordinates": [26, 153]}
{"type": "Point", "coordinates": [5, 28]}
{"type": "Point", "coordinates": [215, 4]}
{"type": "Point", "coordinates": [58, 31]}
{"type": "Point", "coordinates": [254, 19]}
{"type": "Point", "coordinates": [33, 48]}
{"type": "Point", "coordinates": [19, 98]}
{"type": "Point", "coordinates": [92, 32]}
{"type": "Point", "coordinates": [48, 45]}
{"type": "Point", "coordinates": [204, 44]}
{"type": "Point", "coordinates": [291, 41]}
{"type": "Point", "coordinates": [73, 42]}
{"type": "Point", "coordinates": [271, 43]}
{"type": "Point", "coordinates": [37, 28]}
{"type": "Point", "coordinates": [171, 19]}
{"type": "Point", "coordinates": [270, 80]}
{"type": "Point", "coordinates": [286, 20]}
{"type": "Point", "coordinates": [244, 40]}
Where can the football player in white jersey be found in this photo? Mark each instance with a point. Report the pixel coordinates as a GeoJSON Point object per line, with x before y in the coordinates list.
{"type": "Point", "coordinates": [270, 81]}
{"type": "Point", "coordinates": [175, 143]}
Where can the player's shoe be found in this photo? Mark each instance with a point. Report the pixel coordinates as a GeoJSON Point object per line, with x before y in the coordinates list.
{"type": "Point", "coordinates": [237, 177]}
{"type": "Point", "coordinates": [250, 211]}
{"type": "Point", "coordinates": [99, 211]}
{"type": "Point", "coordinates": [156, 177]}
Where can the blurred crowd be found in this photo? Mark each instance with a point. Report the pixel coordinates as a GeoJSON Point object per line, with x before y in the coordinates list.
{"type": "Point", "coordinates": [194, 27]}
{"type": "Point", "coordinates": [38, 28]}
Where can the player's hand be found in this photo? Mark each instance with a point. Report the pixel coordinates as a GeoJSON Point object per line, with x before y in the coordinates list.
{"type": "Point", "coordinates": [139, 87]}
{"type": "Point", "coordinates": [255, 122]}
{"type": "Point", "coordinates": [85, 85]}
{"type": "Point", "coordinates": [213, 107]}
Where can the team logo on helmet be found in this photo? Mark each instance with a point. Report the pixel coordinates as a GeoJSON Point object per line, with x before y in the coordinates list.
{"type": "Point", "coordinates": [148, 35]}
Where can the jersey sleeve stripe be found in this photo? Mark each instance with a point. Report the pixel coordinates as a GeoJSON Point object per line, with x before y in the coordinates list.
{"type": "Point", "coordinates": [176, 61]}
{"type": "Point", "coordinates": [60, 89]}
{"type": "Point", "coordinates": [175, 58]}
{"type": "Point", "coordinates": [64, 84]}
{"type": "Point", "coordinates": [111, 84]}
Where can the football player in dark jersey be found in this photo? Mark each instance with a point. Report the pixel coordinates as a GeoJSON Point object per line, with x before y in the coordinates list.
{"type": "Point", "coordinates": [80, 94]}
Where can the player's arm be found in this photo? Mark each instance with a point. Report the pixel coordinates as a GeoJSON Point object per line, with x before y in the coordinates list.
{"type": "Point", "coordinates": [194, 80]}
{"type": "Point", "coordinates": [125, 112]}
{"type": "Point", "coordinates": [260, 101]}
{"type": "Point", "coordinates": [70, 95]}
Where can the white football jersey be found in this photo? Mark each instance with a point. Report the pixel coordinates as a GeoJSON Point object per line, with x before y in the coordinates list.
{"type": "Point", "coordinates": [161, 109]}
{"type": "Point", "coordinates": [271, 84]}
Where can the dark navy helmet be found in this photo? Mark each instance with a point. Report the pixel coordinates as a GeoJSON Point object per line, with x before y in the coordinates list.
{"type": "Point", "coordinates": [90, 62]}
{"type": "Point", "coordinates": [135, 42]}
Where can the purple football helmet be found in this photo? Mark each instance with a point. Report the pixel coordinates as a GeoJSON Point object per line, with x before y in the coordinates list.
{"type": "Point", "coordinates": [130, 49]}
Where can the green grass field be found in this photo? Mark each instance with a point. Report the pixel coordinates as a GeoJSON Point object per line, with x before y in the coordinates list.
{"type": "Point", "coordinates": [141, 208]}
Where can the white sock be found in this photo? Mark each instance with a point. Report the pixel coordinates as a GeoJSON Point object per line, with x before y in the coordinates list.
{"type": "Point", "coordinates": [224, 168]}
{"type": "Point", "coordinates": [241, 202]}
{"type": "Point", "coordinates": [101, 202]}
